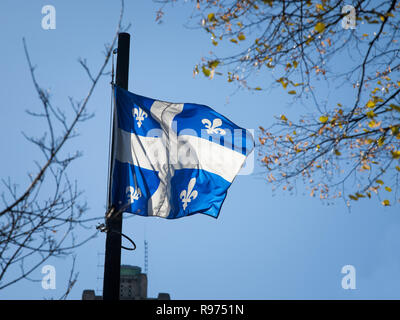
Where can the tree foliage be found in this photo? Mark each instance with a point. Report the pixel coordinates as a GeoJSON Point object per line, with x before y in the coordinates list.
{"type": "Point", "coordinates": [42, 220]}
{"type": "Point", "coordinates": [349, 145]}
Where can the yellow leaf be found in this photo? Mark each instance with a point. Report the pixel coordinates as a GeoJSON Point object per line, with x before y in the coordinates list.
{"type": "Point", "coordinates": [215, 43]}
{"type": "Point", "coordinates": [295, 64]}
{"type": "Point", "coordinates": [206, 71]}
{"type": "Point", "coordinates": [395, 107]}
{"type": "Point", "coordinates": [397, 168]}
{"type": "Point", "coordinates": [283, 117]}
{"type": "Point", "coordinates": [396, 154]}
{"type": "Point", "coordinates": [366, 166]}
{"type": "Point", "coordinates": [386, 202]}
{"type": "Point", "coordinates": [309, 40]}
{"type": "Point", "coordinates": [388, 189]}
{"type": "Point", "coordinates": [241, 37]}
{"type": "Point", "coordinates": [353, 197]}
{"type": "Point", "coordinates": [211, 17]}
{"type": "Point", "coordinates": [337, 152]}
{"type": "Point", "coordinates": [323, 119]}
{"type": "Point", "coordinates": [379, 181]}
{"type": "Point", "coordinates": [370, 104]}
{"type": "Point", "coordinates": [213, 64]}
{"type": "Point", "coordinates": [292, 92]}
{"type": "Point", "coordinates": [234, 40]}
{"type": "Point", "coordinates": [381, 141]}
{"type": "Point", "coordinates": [374, 124]}
{"type": "Point", "coordinates": [370, 114]}
{"type": "Point", "coordinates": [320, 27]}
{"type": "Point", "coordinates": [257, 88]}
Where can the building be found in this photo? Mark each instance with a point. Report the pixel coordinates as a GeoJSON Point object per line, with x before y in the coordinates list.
{"type": "Point", "coordinates": [133, 286]}
{"type": "Point", "coordinates": [133, 283]}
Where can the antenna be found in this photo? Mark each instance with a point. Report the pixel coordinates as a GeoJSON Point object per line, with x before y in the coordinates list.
{"type": "Point", "coordinates": [146, 256]}
{"type": "Point", "coordinates": [100, 267]}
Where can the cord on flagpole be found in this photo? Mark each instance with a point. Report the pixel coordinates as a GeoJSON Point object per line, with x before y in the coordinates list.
{"type": "Point", "coordinates": [112, 105]}
{"type": "Point", "coordinates": [103, 228]}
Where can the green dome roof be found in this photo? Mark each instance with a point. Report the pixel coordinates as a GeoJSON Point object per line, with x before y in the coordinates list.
{"type": "Point", "coordinates": [127, 270]}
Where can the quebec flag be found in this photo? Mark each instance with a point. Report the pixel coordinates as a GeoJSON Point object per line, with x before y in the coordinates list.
{"type": "Point", "coordinates": [173, 159]}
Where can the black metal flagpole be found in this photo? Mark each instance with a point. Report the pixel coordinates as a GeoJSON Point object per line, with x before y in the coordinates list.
{"type": "Point", "coordinates": [112, 263]}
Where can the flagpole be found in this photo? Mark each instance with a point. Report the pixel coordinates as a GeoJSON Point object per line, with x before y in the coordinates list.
{"type": "Point", "coordinates": [112, 262]}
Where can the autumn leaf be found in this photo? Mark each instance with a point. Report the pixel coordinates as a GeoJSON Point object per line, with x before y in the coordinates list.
{"type": "Point", "coordinates": [366, 166]}
{"type": "Point", "coordinates": [320, 27]}
{"type": "Point", "coordinates": [395, 107]}
{"type": "Point", "coordinates": [241, 37]}
{"type": "Point", "coordinates": [388, 189]}
{"type": "Point", "coordinates": [374, 124]}
{"type": "Point", "coordinates": [323, 119]}
{"type": "Point", "coordinates": [283, 117]}
{"type": "Point", "coordinates": [213, 64]}
{"type": "Point", "coordinates": [386, 203]}
{"type": "Point", "coordinates": [396, 154]}
{"type": "Point", "coordinates": [292, 92]}
{"type": "Point", "coordinates": [206, 71]}
{"type": "Point", "coordinates": [370, 114]}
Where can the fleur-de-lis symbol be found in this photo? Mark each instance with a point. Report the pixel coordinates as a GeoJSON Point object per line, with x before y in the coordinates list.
{"type": "Point", "coordinates": [189, 194]}
{"type": "Point", "coordinates": [214, 127]}
{"type": "Point", "coordinates": [140, 115]}
{"type": "Point", "coordinates": [133, 194]}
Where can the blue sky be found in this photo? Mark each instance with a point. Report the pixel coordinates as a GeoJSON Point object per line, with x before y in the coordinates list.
{"type": "Point", "coordinates": [264, 245]}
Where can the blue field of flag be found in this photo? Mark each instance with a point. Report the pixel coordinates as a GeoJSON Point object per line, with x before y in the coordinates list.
{"type": "Point", "coordinates": [173, 159]}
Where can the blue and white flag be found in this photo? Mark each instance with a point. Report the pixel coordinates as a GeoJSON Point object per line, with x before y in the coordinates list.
{"type": "Point", "coordinates": [173, 159]}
